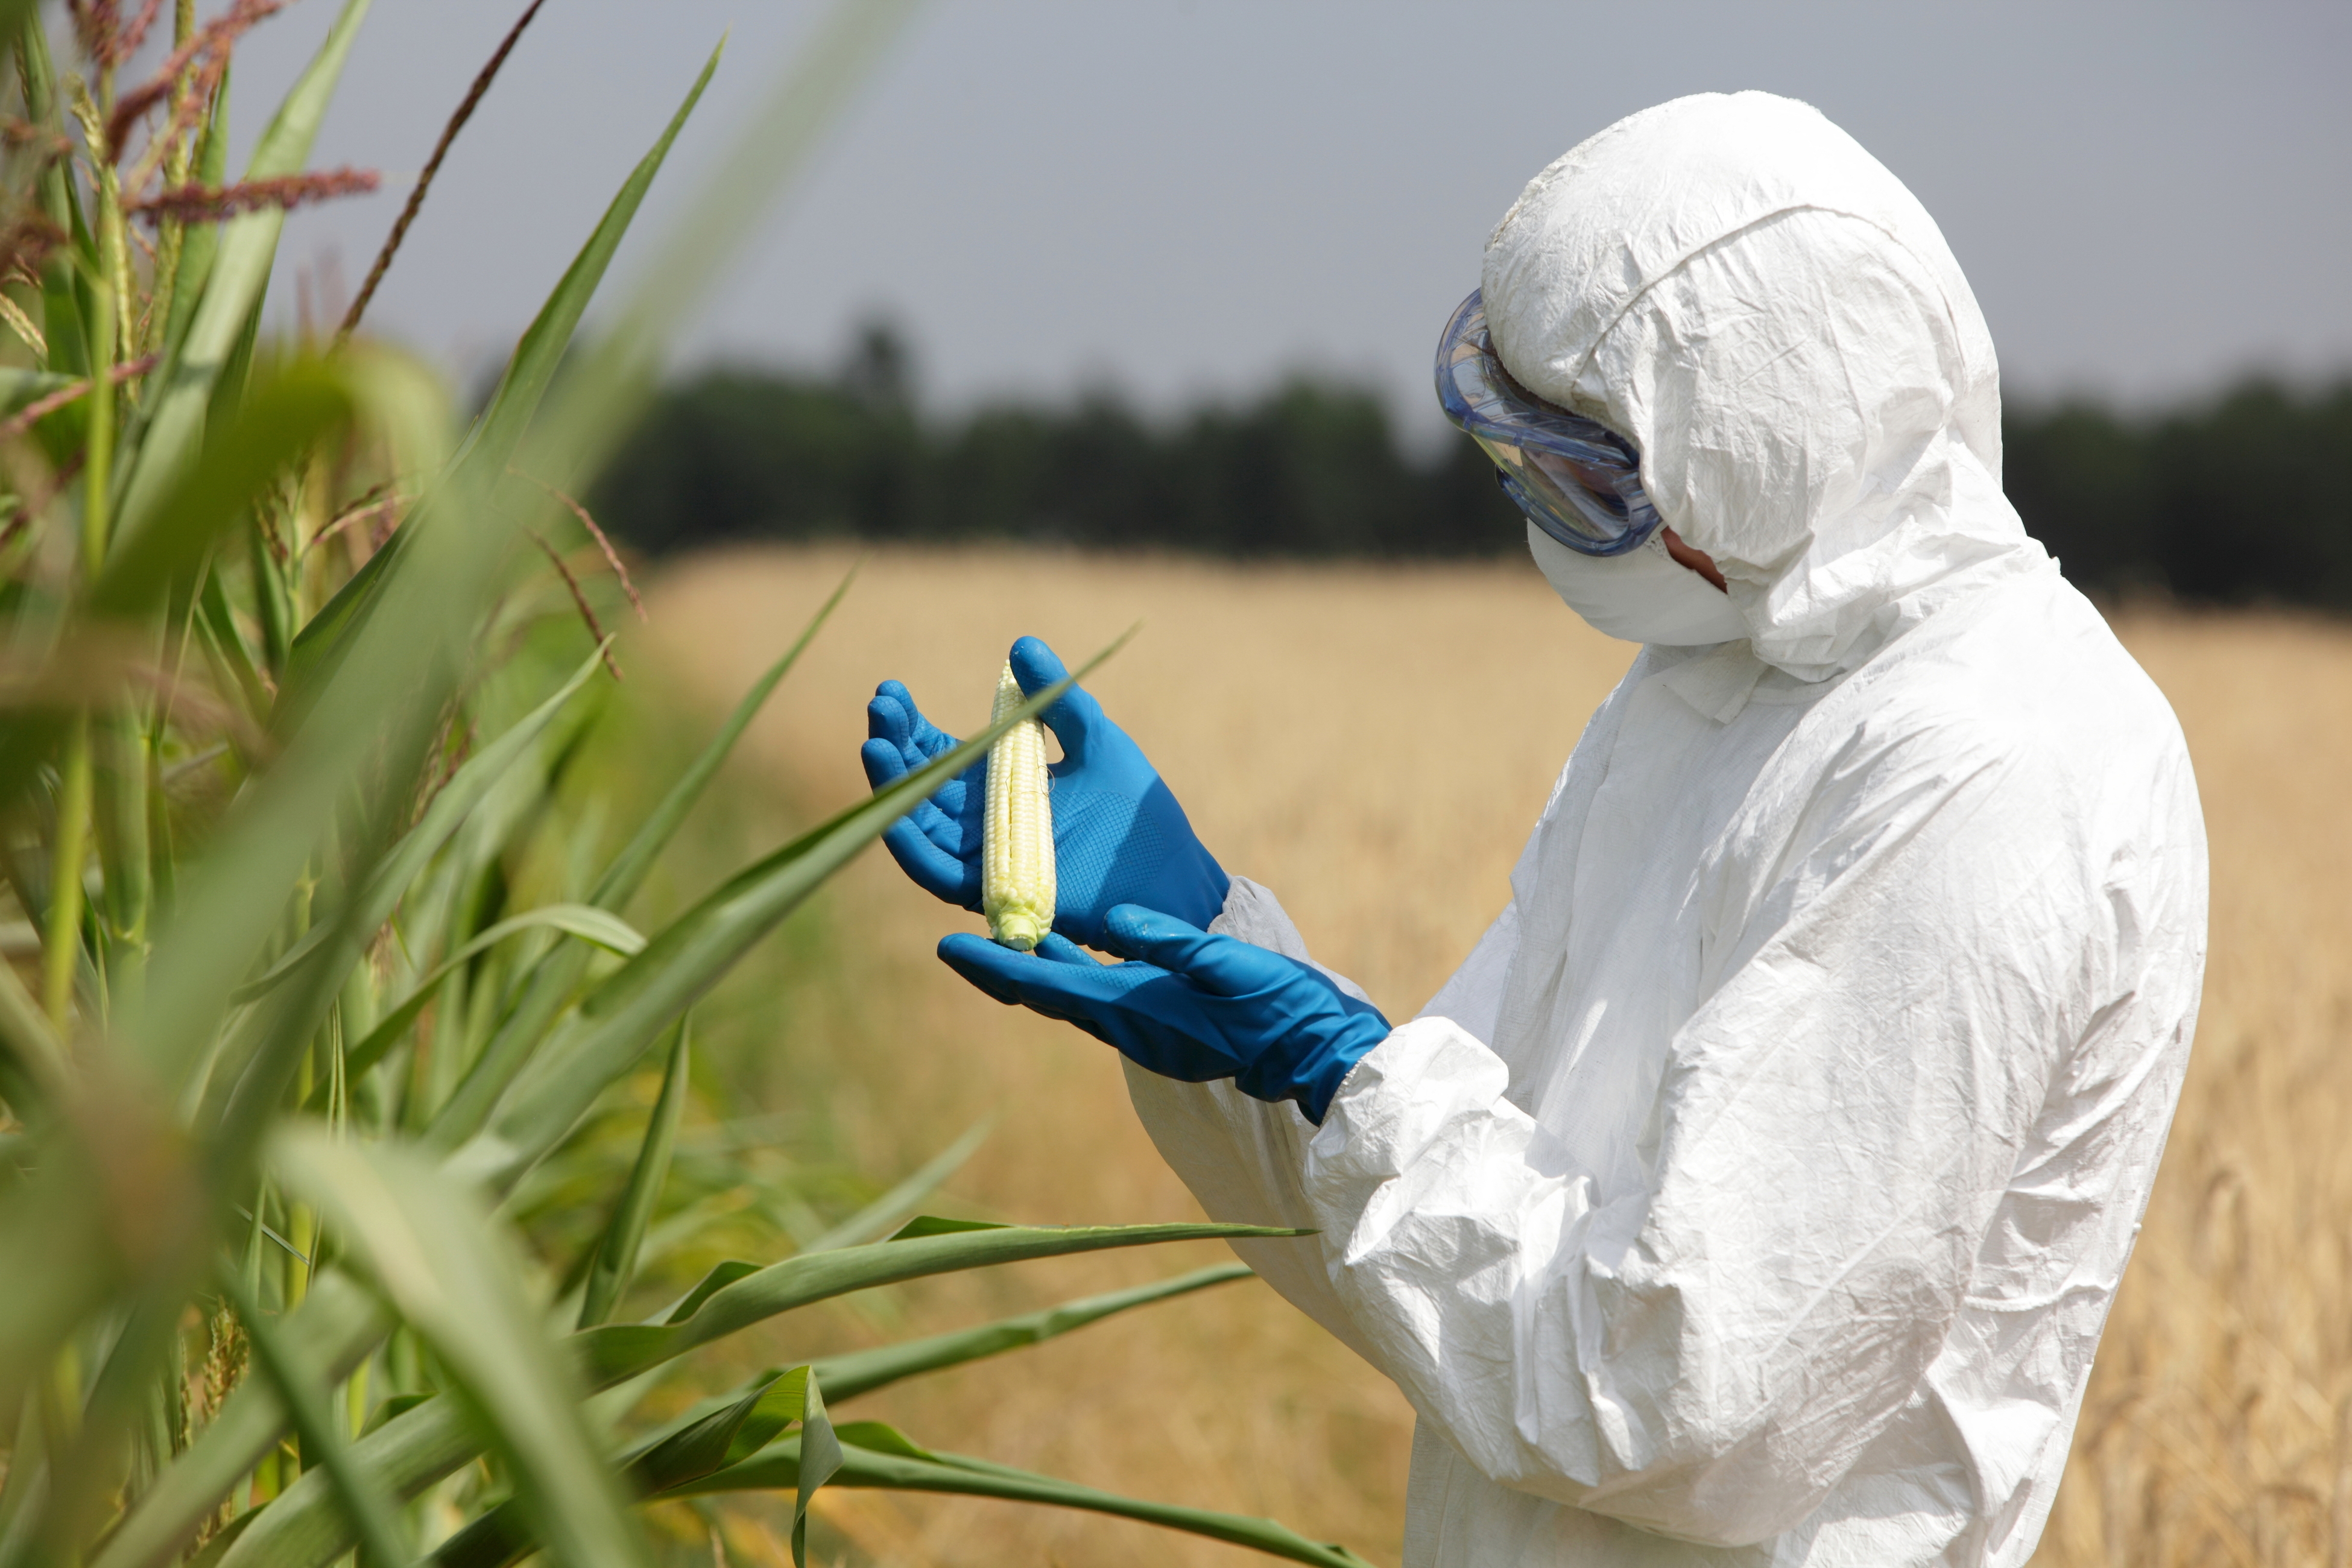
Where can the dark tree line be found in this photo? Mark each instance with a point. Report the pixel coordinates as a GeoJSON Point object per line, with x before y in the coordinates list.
{"type": "Point", "coordinates": [2247, 498]}
{"type": "Point", "coordinates": [1313, 469]}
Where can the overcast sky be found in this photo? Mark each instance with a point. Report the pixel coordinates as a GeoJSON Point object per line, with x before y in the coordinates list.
{"type": "Point", "coordinates": [1189, 197]}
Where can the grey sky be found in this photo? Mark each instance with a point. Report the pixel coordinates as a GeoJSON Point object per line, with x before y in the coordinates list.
{"type": "Point", "coordinates": [1190, 199]}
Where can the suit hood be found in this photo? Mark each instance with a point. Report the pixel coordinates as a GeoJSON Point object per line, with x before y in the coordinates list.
{"type": "Point", "coordinates": [1734, 285]}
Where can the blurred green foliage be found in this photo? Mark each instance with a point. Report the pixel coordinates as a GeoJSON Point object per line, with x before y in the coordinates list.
{"type": "Point", "coordinates": [348, 1196]}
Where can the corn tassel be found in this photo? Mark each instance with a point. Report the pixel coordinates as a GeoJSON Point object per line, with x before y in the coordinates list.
{"type": "Point", "coordinates": [1016, 847]}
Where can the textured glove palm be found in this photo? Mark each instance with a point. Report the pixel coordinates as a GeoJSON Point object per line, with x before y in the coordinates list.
{"type": "Point", "coordinates": [1118, 835]}
{"type": "Point", "coordinates": [1189, 1005]}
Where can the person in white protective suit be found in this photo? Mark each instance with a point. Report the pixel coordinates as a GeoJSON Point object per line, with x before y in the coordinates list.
{"type": "Point", "coordinates": [1756, 1190]}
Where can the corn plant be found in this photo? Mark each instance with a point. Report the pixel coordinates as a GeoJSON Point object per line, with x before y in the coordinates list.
{"type": "Point", "coordinates": [316, 972]}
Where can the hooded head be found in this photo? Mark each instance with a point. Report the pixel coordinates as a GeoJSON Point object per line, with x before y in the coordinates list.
{"type": "Point", "coordinates": [1776, 323]}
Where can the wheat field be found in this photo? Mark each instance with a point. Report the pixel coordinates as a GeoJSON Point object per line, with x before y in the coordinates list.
{"type": "Point", "coordinates": [1373, 743]}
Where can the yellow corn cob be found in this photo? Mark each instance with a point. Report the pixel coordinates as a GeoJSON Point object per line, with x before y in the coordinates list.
{"type": "Point", "coordinates": [1017, 846]}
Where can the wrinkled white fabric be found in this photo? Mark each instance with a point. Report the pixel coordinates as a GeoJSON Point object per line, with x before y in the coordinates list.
{"type": "Point", "coordinates": [1643, 596]}
{"type": "Point", "coordinates": [1756, 1192]}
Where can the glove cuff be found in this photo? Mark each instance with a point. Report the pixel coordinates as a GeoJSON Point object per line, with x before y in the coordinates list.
{"type": "Point", "coordinates": [1307, 1071]}
{"type": "Point", "coordinates": [1317, 1082]}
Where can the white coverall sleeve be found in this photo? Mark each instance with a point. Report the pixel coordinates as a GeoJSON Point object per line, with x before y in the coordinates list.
{"type": "Point", "coordinates": [1704, 1356]}
{"type": "Point", "coordinates": [1241, 1157]}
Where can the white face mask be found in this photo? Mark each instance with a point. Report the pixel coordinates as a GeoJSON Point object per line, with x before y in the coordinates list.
{"type": "Point", "coordinates": [1643, 596]}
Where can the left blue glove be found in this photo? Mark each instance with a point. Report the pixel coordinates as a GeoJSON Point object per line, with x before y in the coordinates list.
{"type": "Point", "coordinates": [1189, 1006]}
{"type": "Point", "coordinates": [1119, 836]}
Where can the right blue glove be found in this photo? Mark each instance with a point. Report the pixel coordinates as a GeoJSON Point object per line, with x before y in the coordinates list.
{"type": "Point", "coordinates": [1189, 1005]}
{"type": "Point", "coordinates": [1119, 837]}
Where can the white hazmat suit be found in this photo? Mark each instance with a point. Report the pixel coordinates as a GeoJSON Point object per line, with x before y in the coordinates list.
{"type": "Point", "coordinates": [1756, 1190]}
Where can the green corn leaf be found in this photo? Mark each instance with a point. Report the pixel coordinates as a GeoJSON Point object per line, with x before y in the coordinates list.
{"type": "Point", "coordinates": [280, 421]}
{"type": "Point", "coordinates": [299, 1389]}
{"type": "Point", "coordinates": [738, 1429]}
{"type": "Point", "coordinates": [397, 1405]}
{"type": "Point", "coordinates": [361, 720]}
{"type": "Point", "coordinates": [273, 600]}
{"type": "Point", "coordinates": [235, 371]}
{"type": "Point", "coordinates": [629, 867]}
{"type": "Point", "coordinates": [64, 296]}
{"type": "Point", "coordinates": [338, 1323]}
{"type": "Point", "coordinates": [302, 809]}
{"type": "Point", "coordinates": [499, 434]}
{"type": "Point", "coordinates": [18, 387]}
{"type": "Point", "coordinates": [558, 973]}
{"type": "Point", "coordinates": [287, 417]}
{"type": "Point", "coordinates": [17, 1486]}
{"type": "Point", "coordinates": [720, 1276]}
{"type": "Point", "coordinates": [379, 725]}
{"type": "Point", "coordinates": [467, 478]}
{"type": "Point", "coordinates": [240, 269]}
{"type": "Point", "coordinates": [54, 1255]}
{"type": "Point", "coordinates": [719, 1433]}
{"type": "Point", "coordinates": [491, 444]}
{"type": "Point", "coordinates": [873, 1455]}
{"type": "Point", "coordinates": [199, 245]}
{"type": "Point", "coordinates": [14, 14]}
{"type": "Point", "coordinates": [430, 1249]}
{"type": "Point", "coordinates": [448, 811]}
{"type": "Point", "coordinates": [924, 1225]}
{"type": "Point", "coordinates": [217, 1547]}
{"type": "Point", "coordinates": [264, 1055]}
{"type": "Point", "coordinates": [640, 1000]}
{"type": "Point", "coordinates": [594, 408]}
{"type": "Point", "coordinates": [304, 1528]}
{"type": "Point", "coordinates": [598, 928]}
{"type": "Point", "coordinates": [870, 1222]}
{"type": "Point", "coordinates": [30, 741]}
{"type": "Point", "coordinates": [819, 1457]}
{"type": "Point", "coordinates": [226, 645]}
{"type": "Point", "coordinates": [616, 1254]}
{"type": "Point", "coordinates": [616, 1352]}
{"type": "Point", "coordinates": [199, 242]}
{"type": "Point", "coordinates": [35, 1058]}
{"type": "Point", "coordinates": [491, 1539]}
{"type": "Point", "coordinates": [862, 1372]}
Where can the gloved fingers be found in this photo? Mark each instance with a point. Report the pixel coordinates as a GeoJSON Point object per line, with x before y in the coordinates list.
{"type": "Point", "coordinates": [974, 958]}
{"type": "Point", "coordinates": [950, 835]}
{"type": "Point", "coordinates": [960, 798]}
{"type": "Point", "coordinates": [1053, 987]}
{"type": "Point", "coordinates": [1075, 717]}
{"type": "Point", "coordinates": [936, 870]}
{"type": "Point", "coordinates": [891, 720]}
{"type": "Point", "coordinates": [1059, 949]}
{"type": "Point", "coordinates": [889, 729]}
{"type": "Point", "coordinates": [893, 715]}
{"type": "Point", "coordinates": [1218, 965]}
{"type": "Point", "coordinates": [885, 762]}
{"type": "Point", "coordinates": [939, 817]}
{"type": "Point", "coordinates": [1061, 980]}
{"type": "Point", "coordinates": [1132, 930]}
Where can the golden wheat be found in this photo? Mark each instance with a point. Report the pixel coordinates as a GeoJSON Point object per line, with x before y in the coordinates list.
{"type": "Point", "coordinates": [1338, 733]}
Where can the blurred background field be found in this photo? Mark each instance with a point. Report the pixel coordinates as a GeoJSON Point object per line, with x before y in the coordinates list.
{"type": "Point", "coordinates": [1373, 742]}
{"type": "Point", "coordinates": [1136, 303]}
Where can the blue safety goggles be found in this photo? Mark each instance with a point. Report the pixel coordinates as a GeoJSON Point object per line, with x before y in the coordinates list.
{"type": "Point", "coordinates": [1575, 479]}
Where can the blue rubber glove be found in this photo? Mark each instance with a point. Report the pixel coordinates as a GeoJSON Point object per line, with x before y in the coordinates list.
{"type": "Point", "coordinates": [1189, 1005]}
{"type": "Point", "coordinates": [1119, 836]}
